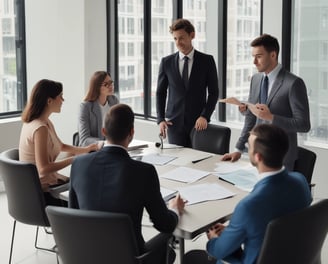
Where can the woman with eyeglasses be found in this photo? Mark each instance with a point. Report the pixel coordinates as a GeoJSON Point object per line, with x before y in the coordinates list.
{"type": "Point", "coordinates": [39, 143]}
{"type": "Point", "coordinates": [99, 99]}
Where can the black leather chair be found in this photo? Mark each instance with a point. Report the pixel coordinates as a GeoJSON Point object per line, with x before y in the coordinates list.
{"type": "Point", "coordinates": [85, 236]}
{"type": "Point", "coordinates": [76, 139]}
{"type": "Point", "coordinates": [305, 164]}
{"type": "Point", "coordinates": [215, 139]}
{"type": "Point", "coordinates": [197, 256]}
{"type": "Point", "coordinates": [297, 237]}
{"type": "Point", "coordinates": [24, 194]}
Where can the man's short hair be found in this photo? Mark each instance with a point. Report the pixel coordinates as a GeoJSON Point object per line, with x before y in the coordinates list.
{"type": "Point", "coordinates": [182, 23]}
{"type": "Point", "coordinates": [269, 43]}
{"type": "Point", "coordinates": [272, 143]}
{"type": "Point", "coordinates": [118, 122]}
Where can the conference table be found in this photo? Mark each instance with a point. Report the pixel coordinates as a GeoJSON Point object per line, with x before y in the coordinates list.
{"type": "Point", "coordinates": [197, 218]}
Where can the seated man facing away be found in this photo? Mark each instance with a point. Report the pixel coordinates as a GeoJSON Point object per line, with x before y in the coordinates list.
{"type": "Point", "coordinates": [109, 180]}
{"type": "Point", "coordinates": [277, 193]}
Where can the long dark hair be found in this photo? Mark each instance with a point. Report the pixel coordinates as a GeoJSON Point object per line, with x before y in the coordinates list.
{"type": "Point", "coordinates": [94, 86]}
{"type": "Point", "coordinates": [41, 92]}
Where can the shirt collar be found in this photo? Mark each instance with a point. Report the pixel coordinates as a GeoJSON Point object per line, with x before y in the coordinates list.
{"type": "Point", "coordinates": [190, 55]}
{"type": "Point", "coordinates": [273, 74]}
{"type": "Point", "coordinates": [270, 173]}
{"type": "Point", "coordinates": [113, 145]}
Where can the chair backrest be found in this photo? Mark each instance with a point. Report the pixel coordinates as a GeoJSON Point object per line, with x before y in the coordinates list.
{"type": "Point", "coordinates": [297, 237]}
{"type": "Point", "coordinates": [85, 236]}
{"type": "Point", "coordinates": [76, 139]}
{"type": "Point", "coordinates": [197, 256]}
{"type": "Point", "coordinates": [25, 197]}
{"type": "Point", "coordinates": [215, 139]}
{"type": "Point", "coordinates": [305, 163]}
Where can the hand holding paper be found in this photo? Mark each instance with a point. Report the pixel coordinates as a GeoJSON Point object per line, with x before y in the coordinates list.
{"type": "Point", "coordinates": [231, 100]}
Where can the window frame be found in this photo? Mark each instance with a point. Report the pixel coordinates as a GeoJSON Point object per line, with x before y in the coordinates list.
{"type": "Point", "coordinates": [20, 47]}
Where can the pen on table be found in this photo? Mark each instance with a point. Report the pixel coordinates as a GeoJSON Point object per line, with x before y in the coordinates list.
{"type": "Point", "coordinates": [196, 161]}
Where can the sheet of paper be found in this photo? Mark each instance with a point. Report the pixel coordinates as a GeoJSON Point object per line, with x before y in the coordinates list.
{"type": "Point", "coordinates": [228, 166]}
{"type": "Point", "coordinates": [157, 159]}
{"type": "Point", "coordinates": [244, 179]}
{"type": "Point", "coordinates": [235, 101]}
{"type": "Point", "coordinates": [185, 174]}
{"type": "Point", "coordinates": [198, 193]}
{"type": "Point", "coordinates": [167, 194]}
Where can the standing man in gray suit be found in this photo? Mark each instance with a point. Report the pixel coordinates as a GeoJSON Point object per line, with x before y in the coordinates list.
{"type": "Point", "coordinates": [187, 88]}
{"type": "Point", "coordinates": [285, 105]}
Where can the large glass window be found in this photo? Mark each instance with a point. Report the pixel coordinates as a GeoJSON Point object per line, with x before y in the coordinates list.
{"type": "Point", "coordinates": [309, 61]}
{"type": "Point", "coordinates": [161, 41]}
{"type": "Point", "coordinates": [131, 60]}
{"type": "Point", "coordinates": [12, 53]}
{"type": "Point", "coordinates": [243, 26]}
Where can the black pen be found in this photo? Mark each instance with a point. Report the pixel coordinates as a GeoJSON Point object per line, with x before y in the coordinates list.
{"type": "Point", "coordinates": [196, 161]}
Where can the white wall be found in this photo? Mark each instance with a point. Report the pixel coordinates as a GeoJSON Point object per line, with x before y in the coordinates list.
{"type": "Point", "coordinates": [66, 41]}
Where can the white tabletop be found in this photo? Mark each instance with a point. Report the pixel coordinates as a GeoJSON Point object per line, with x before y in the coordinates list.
{"type": "Point", "coordinates": [197, 217]}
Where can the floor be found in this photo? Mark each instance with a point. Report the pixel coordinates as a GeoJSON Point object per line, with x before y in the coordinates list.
{"type": "Point", "coordinates": [25, 253]}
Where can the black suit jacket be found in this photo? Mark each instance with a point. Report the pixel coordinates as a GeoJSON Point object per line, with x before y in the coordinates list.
{"type": "Point", "coordinates": [183, 106]}
{"type": "Point", "coordinates": [109, 180]}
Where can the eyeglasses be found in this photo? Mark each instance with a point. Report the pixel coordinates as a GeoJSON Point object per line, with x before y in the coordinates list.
{"type": "Point", "coordinates": [107, 84]}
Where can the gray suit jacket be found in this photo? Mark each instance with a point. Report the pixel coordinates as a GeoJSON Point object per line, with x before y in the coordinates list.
{"type": "Point", "coordinates": [90, 121]}
{"type": "Point", "coordinates": [288, 102]}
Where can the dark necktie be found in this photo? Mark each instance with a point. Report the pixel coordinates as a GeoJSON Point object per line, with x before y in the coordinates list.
{"type": "Point", "coordinates": [264, 90]}
{"type": "Point", "coordinates": [185, 71]}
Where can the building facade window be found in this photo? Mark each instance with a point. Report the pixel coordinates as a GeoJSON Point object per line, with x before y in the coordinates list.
{"type": "Point", "coordinates": [309, 61]}
{"type": "Point", "coordinates": [246, 14]}
{"type": "Point", "coordinates": [12, 58]}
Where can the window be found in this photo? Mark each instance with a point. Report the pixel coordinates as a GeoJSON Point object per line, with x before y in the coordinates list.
{"type": "Point", "coordinates": [144, 39]}
{"type": "Point", "coordinates": [309, 61]}
{"type": "Point", "coordinates": [12, 58]}
{"type": "Point", "coordinates": [246, 14]}
{"type": "Point", "coordinates": [131, 61]}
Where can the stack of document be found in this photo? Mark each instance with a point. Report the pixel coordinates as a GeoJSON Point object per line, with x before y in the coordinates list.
{"type": "Point", "coordinates": [185, 174]}
{"type": "Point", "coordinates": [242, 175]}
{"type": "Point", "coordinates": [168, 194]}
{"type": "Point", "coordinates": [198, 193]}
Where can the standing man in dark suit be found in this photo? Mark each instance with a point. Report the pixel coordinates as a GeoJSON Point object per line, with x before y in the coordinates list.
{"type": "Point", "coordinates": [286, 105]}
{"type": "Point", "coordinates": [109, 180]}
{"type": "Point", "coordinates": [190, 79]}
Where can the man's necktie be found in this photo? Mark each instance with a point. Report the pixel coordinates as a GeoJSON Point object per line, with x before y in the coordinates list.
{"type": "Point", "coordinates": [264, 90]}
{"type": "Point", "coordinates": [185, 72]}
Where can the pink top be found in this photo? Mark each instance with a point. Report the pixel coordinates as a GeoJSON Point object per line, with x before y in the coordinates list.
{"type": "Point", "coordinates": [27, 148]}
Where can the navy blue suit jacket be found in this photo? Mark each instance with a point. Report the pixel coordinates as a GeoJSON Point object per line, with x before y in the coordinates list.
{"type": "Point", "coordinates": [109, 180]}
{"type": "Point", "coordinates": [183, 106]}
{"type": "Point", "coordinates": [272, 197]}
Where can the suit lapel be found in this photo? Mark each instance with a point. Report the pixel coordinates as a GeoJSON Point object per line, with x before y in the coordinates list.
{"type": "Point", "coordinates": [276, 85]}
{"type": "Point", "coordinates": [97, 114]}
{"type": "Point", "coordinates": [176, 70]}
{"type": "Point", "coordinates": [195, 68]}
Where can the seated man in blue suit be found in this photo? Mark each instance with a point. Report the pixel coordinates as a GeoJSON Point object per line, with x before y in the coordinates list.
{"type": "Point", "coordinates": [109, 180]}
{"type": "Point", "coordinates": [277, 193]}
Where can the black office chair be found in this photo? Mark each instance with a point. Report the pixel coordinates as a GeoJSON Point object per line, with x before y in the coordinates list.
{"type": "Point", "coordinates": [305, 164]}
{"type": "Point", "coordinates": [215, 139]}
{"type": "Point", "coordinates": [24, 194]}
{"type": "Point", "coordinates": [297, 237]}
{"type": "Point", "coordinates": [198, 256]}
{"type": "Point", "coordinates": [76, 139]}
{"type": "Point", "coordinates": [85, 236]}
